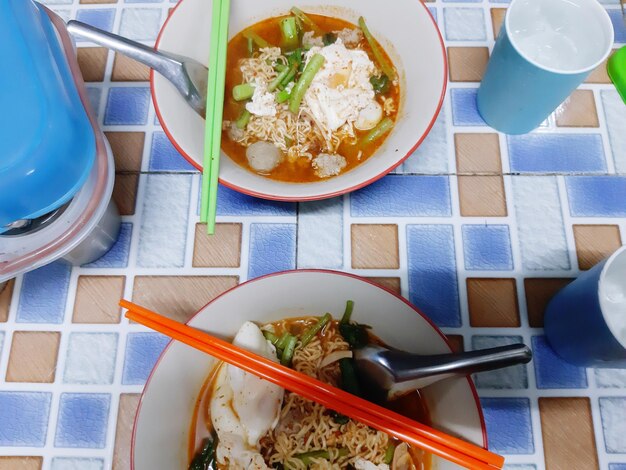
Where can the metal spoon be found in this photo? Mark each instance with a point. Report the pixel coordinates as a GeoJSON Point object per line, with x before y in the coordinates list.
{"type": "Point", "coordinates": [398, 372]}
{"type": "Point", "coordinates": [187, 75]}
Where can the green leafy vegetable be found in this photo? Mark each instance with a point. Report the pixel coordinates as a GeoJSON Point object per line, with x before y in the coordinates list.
{"type": "Point", "coordinates": [380, 130]}
{"type": "Point", "coordinates": [282, 96]}
{"type": "Point", "coordinates": [243, 119]}
{"type": "Point", "coordinates": [313, 330]}
{"type": "Point", "coordinates": [302, 85]}
{"type": "Point", "coordinates": [388, 458]}
{"type": "Point", "coordinates": [289, 32]}
{"type": "Point", "coordinates": [258, 40]}
{"type": "Point", "coordinates": [250, 46]}
{"type": "Point", "coordinates": [308, 457]}
{"type": "Point", "coordinates": [347, 313]}
{"type": "Point", "coordinates": [271, 337]}
{"type": "Point", "coordinates": [278, 80]}
{"type": "Point", "coordinates": [349, 381]}
{"type": "Point", "coordinates": [282, 342]}
{"type": "Point", "coordinates": [354, 334]}
{"type": "Point", "coordinates": [290, 347]}
{"type": "Point", "coordinates": [306, 20]}
{"type": "Point", "coordinates": [380, 84]}
{"type": "Point", "coordinates": [205, 458]}
{"type": "Point", "coordinates": [379, 55]}
{"type": "Point", "coordinates": [339, 418]}
{"type": "Point", "coordinates": [329, 38]}
{"type": "Point", "coordinates": [243, 92]}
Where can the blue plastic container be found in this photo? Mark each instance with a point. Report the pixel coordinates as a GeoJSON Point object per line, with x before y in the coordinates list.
{"type": "Point", "coordinates": [47, 145]}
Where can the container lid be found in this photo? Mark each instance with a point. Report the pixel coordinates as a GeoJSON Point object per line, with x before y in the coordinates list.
{"type": "Point", "coordinates": [48, 145]}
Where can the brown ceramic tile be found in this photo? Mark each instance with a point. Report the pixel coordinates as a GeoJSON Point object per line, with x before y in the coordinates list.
{"type": "Point", "coordinates": [391, 283]}
{"type": "Point", "coordinates": [467, 64]}
{"type": "Point", "coordinates": [567, 429]}
{"type": "Point", "coordinates": [600, 75]}
{"type": "Point", "coordinates": [21, 463]}
{"type": "Point", "coordinates": [595, 242]}
{"type": "Point", "coordinates": [179, 297]}
{"type": "Point", "coordinates": [5, 300]}
{"type": "Point", "coordinates": [482, 196]}
{"type": "Point", "coordinates": [375, 246]}
{"type": "Point", "coordinates": [497, 17]}
{"type": "Point", "coordinates": [222, 249]}
{"type": "Point", "coordinates": [124, 430]}
{"type": "Point", "coordinates": [92, 62]}
{"type": "Point", "coordinates": [127, 149]}
{"type": "Point", "coordinates": [97, 299]}
{"type": "Point", "coordinates": [33, 356]}
{"type": "Point", "coordinates": [125, 193]}
{"type": "Point", "coordinates": [456, 342]}
{"type": "Point", "coordinates": [539, 291]}
{"type": "Point", "coordinates": [477, 154]}
{"type": "Point", "coordinates": [492, 302]}
{"type": "Point", "coordinates": [128, 70]}
{"type": "Point", "coordinates": [578, 110]}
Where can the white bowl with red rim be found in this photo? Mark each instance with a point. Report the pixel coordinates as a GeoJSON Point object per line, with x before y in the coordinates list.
{"type": "Point", "coordinates": [406, 30]}
{"type": "Point", "coordinates": [161, 433]}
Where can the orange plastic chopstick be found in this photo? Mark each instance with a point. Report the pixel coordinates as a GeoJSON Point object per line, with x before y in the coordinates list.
{"type": "Point", "coordinates": [412, 432]}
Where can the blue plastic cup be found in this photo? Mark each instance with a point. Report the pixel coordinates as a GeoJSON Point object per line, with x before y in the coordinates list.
{"type": "Point", "coordinates": [545, 49]}
{"type": "Point", "coordinates": [585, 323]}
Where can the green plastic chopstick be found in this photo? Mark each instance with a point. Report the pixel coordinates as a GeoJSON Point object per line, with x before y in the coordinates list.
{"type": "Point", "coordinates": [214, 112]}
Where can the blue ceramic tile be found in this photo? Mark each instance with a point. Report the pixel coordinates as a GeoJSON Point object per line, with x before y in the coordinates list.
{"type": "Point", "coordinates": [515, 377]}
{"type": "Point", "coordinates": [163, 230]}
{"type": "Point", "coordinates": [127, 106]}
{"type": "Point", "coordinates": [117, 256]}
{"type": "Point", "coordinates": [82, 421]}
{"type": "Point", "coordinates": [522, 466]}
{"type": "Point", "coordinates": [24, 418]}
{"type": "Point", "coordinates": [100, 18]}
{"type": "Point", "coordinates": [431, 157]}
{"type": "Point", "coordinates": [56, 2]}
{"type": "Point", "coordinates": [143, 1]}
{"type": "Point", "coordinates": [44, 293]}
{"type": "Point", "coordinates": [230, 202]}
{"type": "Point", "coordinates": [613, 413]}
{"type": "Point", "coordinates": [462, 1]}
{"type": "Point", "coordinates": [433, 12]}
{"type": "Point", "coordinates": [433, 285]}
{"type": "Point", "coordinates": [617, 466]}
{"type": "Point", "coordinates": [320, 223]}
{"type": "Point", "coordinates": [63, 13]}
{"type": "Point", "coordinates": [610, 378]}
{"type": "Point", "coordinates": [164, 156]}
{"type": "Point", "coordinates": [94, 95]}
{"type": "Point", "coordinates": [464, 24]}
{"type": "Point", "coordinates": [464, 108]}
{"type": "Point", "coordinates": [403, 196]}
{"type": "Point", "coordinates": [508, 425]}
{"type": "Point", "coordinates": [72, 463]}
{"type": "Point", "coordinates": [553, 372]}
{"type": "Point", "coordinates": [618, 25]}
{"type": "Point", "coordinates": [556, 153]}
{"type": "Point", "coordinates": [615, 114]}
{"type": "Point", "coordinates": [140, 24]}
{"type": "Point", "coordinates": [142, 352]}
{"type": "Point", "coordinates": [596, 196]}
{"type": "Point", "coordinates": [487, 247]}
{"type": "Point", "coordinates": [272, 248]}
{"type": "Point", "coordinates": [90, 358]}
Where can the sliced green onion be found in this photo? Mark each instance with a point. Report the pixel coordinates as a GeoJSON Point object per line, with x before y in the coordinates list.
{"type": "Point", "coordinates": [388, 458]}
{"type": "Point", "coordinates": [303, 83]}
{"type": "Point", "coordinates": [306, 20]}
{"type": "Point", "coordinates": [243, 92]}
{"type": "Point", "coordinates": [377, 51]}
{"type": "Point", "coordinates": [288, 351]}
{"type": "Point", "coordinates": [313, 330]}
{"type": "Point", "coordinates": [243, 120]}
{"type": "Point", "coordinates": [380, 130]}
{"type": "Point", "coordinates": [258, 40]}
{"type": "Point", "coordinates": [289, 32]}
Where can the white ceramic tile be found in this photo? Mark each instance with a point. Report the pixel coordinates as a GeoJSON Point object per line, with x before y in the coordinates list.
{"type": "Point", "coordinates": [610, 378]}
{"type": "Point", "coordinates": [90, 358]}
{"type": "Point", "coordinates": [68, 463]}
{"type": "Point", "coordinates": [613, 411]}
{"type": "Point", "coordinates": [164, 222]}
{"type": "Point", "coordinates": [464, 24]}
{"type": "Point", "coordinates": [141, 24]}
{"type": "Point", "coordinates": [615, 112]}
{"type": "Point", "coordinates": [431, 157]}
{"type": "Point", "coordinates": [508, 378]}
{"type": "Point", "coordinates": [540, 223]}
{"type": "Point", "coordinates": [320, 225]}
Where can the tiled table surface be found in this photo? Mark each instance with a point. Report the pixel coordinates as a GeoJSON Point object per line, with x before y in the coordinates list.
{"type": "Point", "coordinates": [476, 228]}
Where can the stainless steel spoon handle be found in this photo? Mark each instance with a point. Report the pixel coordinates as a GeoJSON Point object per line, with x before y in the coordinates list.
{"type": "Point", "coordinates": [408, 367]}
{"type": "Point", "coordinates": [166, 64]}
